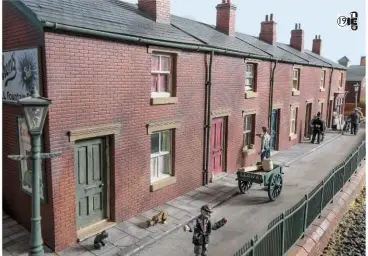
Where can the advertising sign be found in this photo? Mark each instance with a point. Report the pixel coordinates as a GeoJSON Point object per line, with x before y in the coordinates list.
{"type": "Point", "coordinates": [20, 74]}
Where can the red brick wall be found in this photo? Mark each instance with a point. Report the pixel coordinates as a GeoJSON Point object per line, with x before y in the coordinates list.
{"type": "Point", "coordinates": [20, 32]}
{"type": "Point", "coordinates": [93, 82]}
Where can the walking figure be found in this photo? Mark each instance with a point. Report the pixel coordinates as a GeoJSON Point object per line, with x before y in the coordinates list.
{"type": "Point", "coordinates": [202, 230]}
{"type": "Point", "coordinates": [355, 120]}
{"type": "Point", "coordinates": [317, 128]}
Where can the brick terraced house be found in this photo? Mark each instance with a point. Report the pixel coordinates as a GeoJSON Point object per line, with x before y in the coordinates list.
{"type": "Point", "coordinates": [148, 106]}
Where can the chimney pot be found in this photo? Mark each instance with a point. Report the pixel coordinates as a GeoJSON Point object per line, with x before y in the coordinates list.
{"type": "Point", "coordinates": [159, 10]}
{"type": "Point", "coordinates": [296, 25]}
{"type": "Point", "coordinates": [271, 17]}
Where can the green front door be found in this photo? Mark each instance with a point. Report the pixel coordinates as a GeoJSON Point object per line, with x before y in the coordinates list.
{"type": "Point", "coordinates": [90, 177]}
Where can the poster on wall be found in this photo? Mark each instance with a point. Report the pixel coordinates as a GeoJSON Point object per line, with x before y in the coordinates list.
{"type": "Point", "coordinates": [20, 74]}
{"type": "Point", "coordinates": [26, 165]}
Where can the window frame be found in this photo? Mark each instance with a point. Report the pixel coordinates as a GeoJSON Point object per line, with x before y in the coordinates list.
{"type": "Point", "coordinates": [295, 119]}
{"type": "Point", "coordinates": [296, 79]}
{"type": "Point", "coordinates": [170, 73]}
{"type": "Point", "coordinates": [251, 131]}
{"type": "Point", "coordinates": [253, 77]}
{"type": "Point", "coordinates": [168, 173]}
{"type": "Point", "coordinates": [322, 84]}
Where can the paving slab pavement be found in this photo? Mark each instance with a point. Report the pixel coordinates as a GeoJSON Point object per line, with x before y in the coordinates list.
{"type": "Point", "coordinates": [130, 236]}
{"type": "Point", "coordinates": [250, 214]}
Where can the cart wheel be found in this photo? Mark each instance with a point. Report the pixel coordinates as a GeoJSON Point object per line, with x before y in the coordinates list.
{"type": "Point", "coordinates": [275, 186]}
{"type": "Point", "coordinates": [244, 186]}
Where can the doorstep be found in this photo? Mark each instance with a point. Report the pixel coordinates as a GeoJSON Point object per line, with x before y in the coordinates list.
{"type": "Point", "coordinates": [94, 229]}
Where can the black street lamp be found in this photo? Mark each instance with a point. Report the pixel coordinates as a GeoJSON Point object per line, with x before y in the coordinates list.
{"type": "Point", "coordinates": [35, 111]}
{"type": "Point", "coordinates": [356, 89]}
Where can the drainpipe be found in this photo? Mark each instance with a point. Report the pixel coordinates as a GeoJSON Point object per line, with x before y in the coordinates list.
{"type": "Point", "coordinates": [208, 122]}
{"type": "Point", "coordinates": [271, 96]}
{"type": "Point", "coordinates": [328, 100]}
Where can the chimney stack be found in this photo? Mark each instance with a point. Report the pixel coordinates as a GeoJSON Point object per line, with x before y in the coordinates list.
{"type": "Point", "coordinates": [159, 10]}
{"type": "Point", "coordinates": [362, 61]}
{"type": "Point", "coordinates": [268, 30]}
{"type": "Point", "coordinates": [225, 20]}
{"type": "Point", "coordinates": [317, 43]}
{"type": "Point", "coordinates": [297, 38]}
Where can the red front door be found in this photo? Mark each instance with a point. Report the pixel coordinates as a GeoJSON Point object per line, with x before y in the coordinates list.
{"type": "Point", "coordinates": [217, 142]}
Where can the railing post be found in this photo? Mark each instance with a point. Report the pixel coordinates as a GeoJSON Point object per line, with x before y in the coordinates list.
{"type": "Point", "coordinates": [323, 191]}
{"type": "Point", "coordinates": [343, 178]}
{"type": "Point", "coordinates": [333, 185]}
{"type": "Point", "coordinates": [283, 233]}
{"type": "Point", "coordinates": [252, 245]}
{"type": "Point", "coordinates": [305, 214]}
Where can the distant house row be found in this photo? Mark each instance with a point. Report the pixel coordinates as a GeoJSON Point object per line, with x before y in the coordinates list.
{"type": "Point", "coordinates": [355, 75]}
{"type": "Point", "coordinates": [148, 106]}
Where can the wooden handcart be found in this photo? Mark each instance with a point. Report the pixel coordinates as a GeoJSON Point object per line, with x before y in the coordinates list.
{"type": "Point", "coordinates": [272, 180]}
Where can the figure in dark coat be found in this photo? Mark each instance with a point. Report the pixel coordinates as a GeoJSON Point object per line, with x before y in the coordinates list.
{"type": "Point", "coordinates": [355, 120]}
{"type": "Point", "coordinates": [202, 230]}
{"type": "Point", "coordinates": [317, 126]}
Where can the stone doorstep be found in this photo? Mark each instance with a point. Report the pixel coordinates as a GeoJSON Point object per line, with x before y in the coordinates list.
{"type": "Point", "coordinates": [320, 231]}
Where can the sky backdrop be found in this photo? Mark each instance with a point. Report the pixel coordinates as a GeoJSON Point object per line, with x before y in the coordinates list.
{"type": "Point", "coordinates": [317, 17]}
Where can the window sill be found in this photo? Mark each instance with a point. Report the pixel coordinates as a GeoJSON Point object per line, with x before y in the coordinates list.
{"type": "Point", "coordinates": [250, 94]}
{"type": "Point", "coordinates": [164, 101]}
{"type": "Point", "coordinates": [248, 152]}
{"type": "Point", "coordinates": [162, 183]}
{"type": "Point", "coordinates": [322, 89]}
{"type": "Point", "coordinates": [296, 93]}
{"type": "Point", "coordinates": [293, 137]}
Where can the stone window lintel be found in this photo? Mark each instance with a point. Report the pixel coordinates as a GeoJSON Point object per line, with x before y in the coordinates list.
{"type": "Point", "coordinates": [250, 112]}
{"type": "Point", "coordinates": [221, 113]}
{"type": "Point", "coordinates": [94, 131]}
{"type": "Point", "coordinates": [162, 126]}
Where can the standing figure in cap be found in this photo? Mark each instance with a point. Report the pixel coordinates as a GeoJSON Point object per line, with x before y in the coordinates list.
{"type": "Point", "coordinates": [202, 230]}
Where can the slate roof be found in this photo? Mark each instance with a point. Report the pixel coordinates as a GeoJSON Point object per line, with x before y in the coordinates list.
{"type": "Point", "coordinates": [123, 18]}
{"type": "Point", "coordinates": [355, 73]}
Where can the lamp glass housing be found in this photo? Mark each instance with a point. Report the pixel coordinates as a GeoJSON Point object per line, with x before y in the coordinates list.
{"type": "Point", "coordinates": [35, 117]}
{"type": "Point", "coordinates": [356, 87]}
{"type": "Point", "coordinates": [35, 110]}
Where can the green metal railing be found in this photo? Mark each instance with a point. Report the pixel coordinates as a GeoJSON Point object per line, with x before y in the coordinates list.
{"type": "Point", "coordinates": [286, 229]}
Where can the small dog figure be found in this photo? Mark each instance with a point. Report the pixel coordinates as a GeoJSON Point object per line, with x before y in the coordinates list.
{"type": "Point", "coordinates": [100, 239]}
{"type": "Point", "coordinates": [161, 217]}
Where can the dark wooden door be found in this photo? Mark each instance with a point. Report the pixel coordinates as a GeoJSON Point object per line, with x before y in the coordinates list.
{"type": "Point", "coordinates": [90, 174]}
{"type": "Point", "coordinates": [217, 144]}
{"type": "Point", "coordinates": [275, 120]}
{"type": "Point", "coordinates": [308, 117]}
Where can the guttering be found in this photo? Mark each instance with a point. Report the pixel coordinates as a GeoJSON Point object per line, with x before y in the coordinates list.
{"type": "Point", "coordinates": [208, 122]}
{"type": "Point", "coordinates": [329, 95]}
{"type": "Point", "coordinates": [271, 97]}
